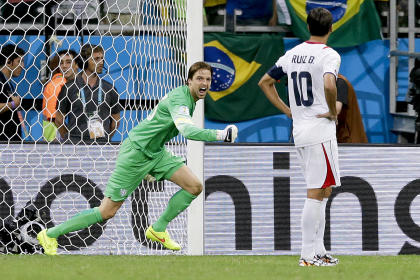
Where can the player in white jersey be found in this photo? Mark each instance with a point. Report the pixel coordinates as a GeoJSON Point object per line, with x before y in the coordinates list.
{"type": "Point", "coordinates": [311, 70]}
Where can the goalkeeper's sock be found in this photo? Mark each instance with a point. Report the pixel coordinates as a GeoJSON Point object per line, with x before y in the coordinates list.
{"type": "Point", "coordinates": [319, 240]}
{"type": "Point", "coordinates": [310, 220]}
{"type": "Point", "coordinates": [178, 203]}
{"type": "Point", "coordinates": [80, 221]}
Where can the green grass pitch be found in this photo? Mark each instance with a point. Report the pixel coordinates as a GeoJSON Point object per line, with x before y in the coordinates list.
{"type": "Point", "coordinates": [203, 267]}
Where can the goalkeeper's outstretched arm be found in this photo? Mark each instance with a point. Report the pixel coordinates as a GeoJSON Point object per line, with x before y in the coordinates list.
{"type": "Point", "coordinates": [187, 128]}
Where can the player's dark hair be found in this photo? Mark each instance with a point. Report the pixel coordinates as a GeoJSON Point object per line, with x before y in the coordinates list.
{"type": "Point", "coordinates": [54, 62]}
{"type": "Point", "coordinates": [10, 52]}
{"type": "Point", "coordinates": [86, 52]}
{"type": "Point", "coordinates": [319, 21]}
{"type": "Point", "coordinates": [198, 66]}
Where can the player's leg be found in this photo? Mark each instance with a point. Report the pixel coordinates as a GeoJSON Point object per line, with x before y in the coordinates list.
{"type": "Point", "coordinates": [190, 188]}
{"type": "Point", "coordinates": [309, 217]}
{"type": "Point", "coordinates": [330, 150]}
{"type": "Point", "coordinates": [319, 240]}
{"type": "Point", "coordinates": [317, 177]}
{"type": "Point", "coordinates": [48, 238]}
{"type": "Point", "coordinates": [125, 174]}
{"type": "Point", "coordinates": [309, 223]}
{"type": "Point", "coordinates": [173, 169]}
{"type": "Point", "coordinates": [320, 250]}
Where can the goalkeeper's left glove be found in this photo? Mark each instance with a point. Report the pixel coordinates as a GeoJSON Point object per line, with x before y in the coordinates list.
{"type": "Point", "coordinates": [228, 134]}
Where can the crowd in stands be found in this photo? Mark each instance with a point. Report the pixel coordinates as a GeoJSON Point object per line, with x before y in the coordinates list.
{"type": "Point", "coordinates": [75, 90]}
{"type": "Point", "coordinates": [123, 12]}
{"type": "Point", "coordinates": [75, 93]}
{"type": "Point", "coordinates": [275, 12]}
{"type": "Point", "coordinates": [248, 13]}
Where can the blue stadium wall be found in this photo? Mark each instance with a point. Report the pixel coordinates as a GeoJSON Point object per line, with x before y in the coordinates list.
{"type": "Point", "coordinates": [366, 66]}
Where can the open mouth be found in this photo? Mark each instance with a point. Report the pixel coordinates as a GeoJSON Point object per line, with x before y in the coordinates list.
{"type": "Point", "coordinates": [202, 90]}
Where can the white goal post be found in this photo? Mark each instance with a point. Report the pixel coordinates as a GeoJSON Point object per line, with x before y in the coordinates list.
{"type": "Point", "coordinates": [195, 149]}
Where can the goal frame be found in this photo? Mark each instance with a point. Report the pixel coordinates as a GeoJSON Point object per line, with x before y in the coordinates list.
{"type": "Point", "coordinates": [195, 149]}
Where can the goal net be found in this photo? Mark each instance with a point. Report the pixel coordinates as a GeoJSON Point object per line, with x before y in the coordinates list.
{"type": "Point", "coordinates": [45, 182]}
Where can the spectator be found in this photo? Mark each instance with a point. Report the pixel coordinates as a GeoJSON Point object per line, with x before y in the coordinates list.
{"type": "Point", "coordinates": [382, 7]}
{"type": "Point", "coordinates": [123, 12]}
{"type": "Point", "coordinates": [21, 11]}
{"type": "Point", "coordinates": [259, 13]}
{"type": "Point", "coordinates": [163, 12]}
{"type": "Point", "coordinates": [11, 65]}
{"type": "Point", "coordinates": [281, 14]}
{"type": "Point", "coordinates": [350, 127]}
{"type": "Point", "coordinates": [212, 8]}
{"type": "Point", "coordinates": [64, 68]}
{"type": "Point", "coordinates": [402, 13]}
{"type": "Point", "coordinates": [413, 96]}
{"type": "Point", "coordinates": [79, 12]}
{"type": "Point", "coordinates": [89, 102]}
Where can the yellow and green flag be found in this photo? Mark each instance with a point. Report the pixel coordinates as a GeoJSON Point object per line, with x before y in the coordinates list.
{"type": "Point", "coordinates": [238, 62]}
{"type": "Point", "coordinates": [354, 21]}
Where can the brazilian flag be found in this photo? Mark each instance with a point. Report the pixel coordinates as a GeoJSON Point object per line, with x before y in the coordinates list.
{"type": "Point", "coordinates": [354, 21]}
{"type": "Point", "coordinates": [238, 62]}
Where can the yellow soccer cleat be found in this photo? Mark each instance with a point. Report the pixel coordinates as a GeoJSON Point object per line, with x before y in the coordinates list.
{"type": "Point", "coordinates": [49, 244]}
{"type": "Point", "coordinates": [163, 238]}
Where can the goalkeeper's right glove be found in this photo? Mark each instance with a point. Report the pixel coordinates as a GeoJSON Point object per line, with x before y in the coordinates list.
{"type": "Point", "coordinates": [228, 134]}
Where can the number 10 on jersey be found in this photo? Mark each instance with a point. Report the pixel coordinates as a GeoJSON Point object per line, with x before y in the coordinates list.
{"type": "Point", "coordinates": [302, 81]}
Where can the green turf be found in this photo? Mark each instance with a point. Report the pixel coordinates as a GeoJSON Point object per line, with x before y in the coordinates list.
{"type": "Point", "coordinates": [204, 267]}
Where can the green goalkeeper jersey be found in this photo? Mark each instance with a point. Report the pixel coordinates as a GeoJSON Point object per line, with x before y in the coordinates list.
{"type": "Point", "coordinates": [169, 118]}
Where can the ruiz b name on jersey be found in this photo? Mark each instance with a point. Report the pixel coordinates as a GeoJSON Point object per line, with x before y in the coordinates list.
{"type": "Point", "coordinates": [303, 59]}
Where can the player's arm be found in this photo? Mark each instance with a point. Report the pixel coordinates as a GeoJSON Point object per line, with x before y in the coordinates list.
{"type": "Point", "coordinates": [330, 67]}
{"type": "Point", "coordinates": [267, 86]}
{"type": "Point", "coordinates": [330, 90]}
{"type": "Point", "coordinates": [339, 106]}
{"type": "Point", "coordinates": [186, 127]}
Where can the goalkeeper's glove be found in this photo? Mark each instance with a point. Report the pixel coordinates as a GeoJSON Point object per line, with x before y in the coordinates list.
{"type": "Point", "coordinates": [228, 134]}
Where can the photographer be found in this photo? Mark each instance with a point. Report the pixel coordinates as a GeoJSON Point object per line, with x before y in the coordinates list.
{"type": "Point", "coordinates": [414, 95]}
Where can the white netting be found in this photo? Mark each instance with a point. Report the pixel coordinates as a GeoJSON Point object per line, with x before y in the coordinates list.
{"type": "Point", "coordinates": [44, 182]}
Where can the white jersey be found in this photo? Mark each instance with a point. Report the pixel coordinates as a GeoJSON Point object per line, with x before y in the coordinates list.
{"type": "Point", "coordinates": [305, 66]}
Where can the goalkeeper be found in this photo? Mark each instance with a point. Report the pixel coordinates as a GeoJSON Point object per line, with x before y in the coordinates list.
{"type": "Point", "coordinates": [143, 153]}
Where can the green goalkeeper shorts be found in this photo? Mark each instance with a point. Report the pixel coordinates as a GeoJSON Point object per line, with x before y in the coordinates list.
{"type": "Point", "coordinates": [133, 165]}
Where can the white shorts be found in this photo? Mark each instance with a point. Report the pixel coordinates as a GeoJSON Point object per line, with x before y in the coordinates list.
{"type": "Point", "coordinates": [320, 165]}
